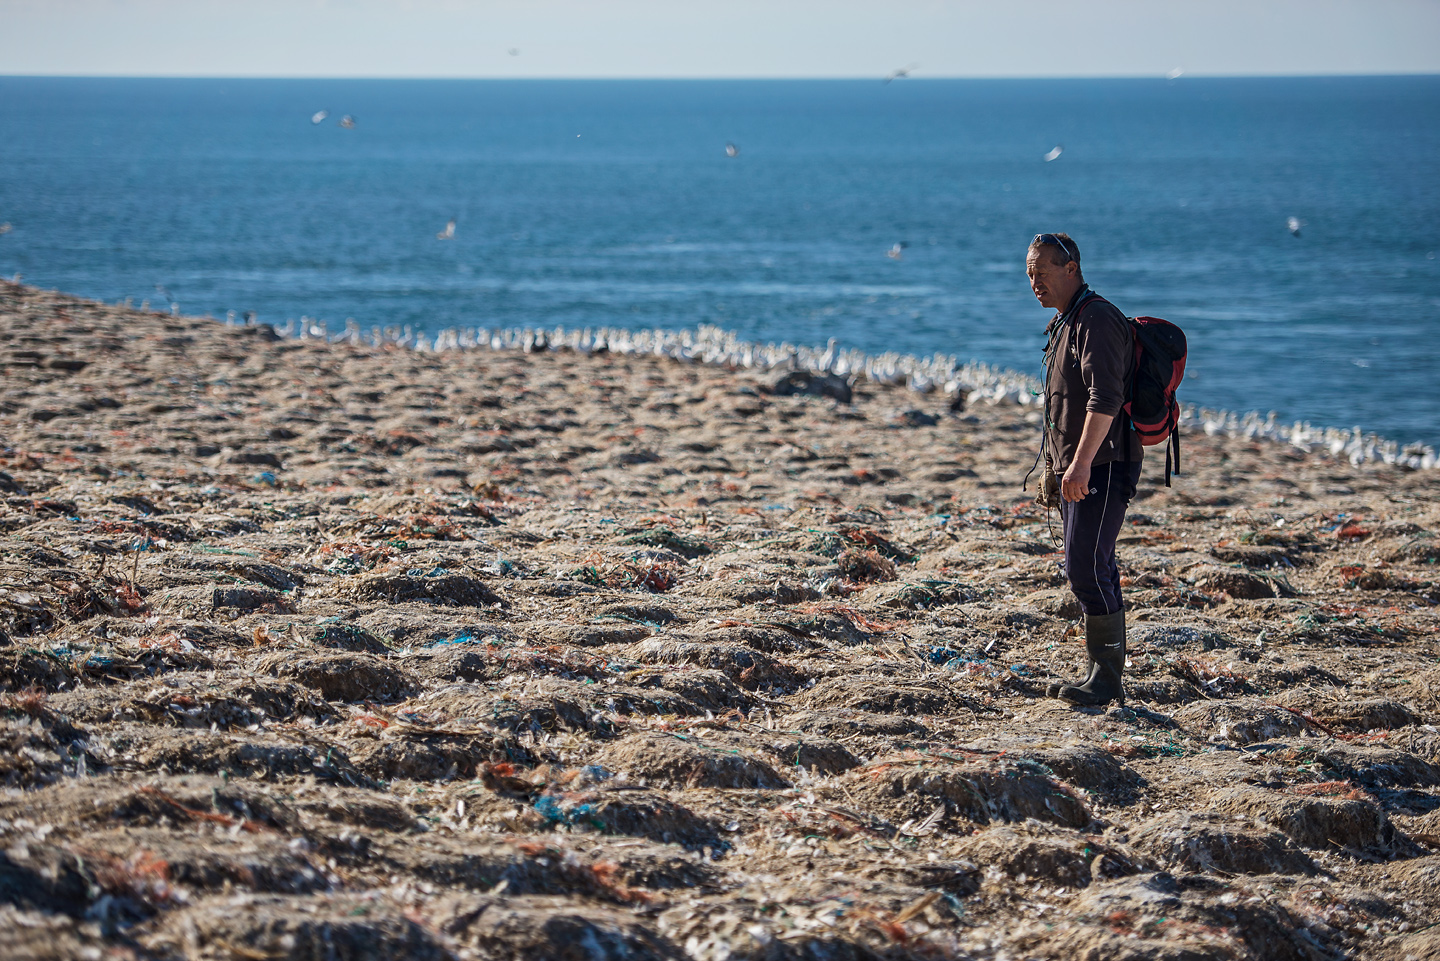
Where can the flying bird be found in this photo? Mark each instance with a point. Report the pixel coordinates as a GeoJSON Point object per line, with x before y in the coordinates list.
{"type": "Point", "coordinates": [514, 51]}
{"type": "Point", "coordinates": [1175, 74]}
{"type": "Point", "coordinates": [1293, 225]}
{"type": "Point", "coordinates": [319, 116]}
{"type": "Point", "coordinates": [348, 122]}
{"type": "Point", "coordinates": [902, 72]}
{"type": "Point", "coordinates": [894, 252]}
{"type": "Point", "coordinates": [1054, 153]}
{"type": "Point", "coordinates": [449, 232]}
{"type": "Point", "coordinates": [6, 227]}
{"type": "Point", "coordinates": [731, 150]}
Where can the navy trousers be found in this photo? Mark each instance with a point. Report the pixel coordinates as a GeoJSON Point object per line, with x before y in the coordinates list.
{"type": "Point", "coordinates": [1091, 527]}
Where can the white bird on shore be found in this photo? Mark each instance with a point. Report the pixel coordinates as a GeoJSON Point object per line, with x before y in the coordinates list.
{"type": "Point", "coordinates": [318, 116]}
{"type": "Point", "coordinates": [731, 150]}
{"type": "Point", "coordinates": [902, 72]}
{"type": "Point", "coordinates": [348, 122]}
{"type": "Point", "coordinates": [1293, 225]}
{"type": "Point", "coordinates": [449, 232]}
{"type": "Point", "coordinates": [1055, 153]}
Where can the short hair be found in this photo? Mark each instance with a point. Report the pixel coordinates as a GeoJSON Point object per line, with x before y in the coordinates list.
{"type": "Point", "coordinates": [1062, 248]}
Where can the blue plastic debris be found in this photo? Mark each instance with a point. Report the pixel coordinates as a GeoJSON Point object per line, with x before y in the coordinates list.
{"type": "Point", "coordinates": [267, 478]}
{"type": "Point", "coordinates": [551, 808]}
{"type": "Point", "coordinates": [939, 655]}
{"type": "Point", "coordinates": [595, 773]}
{"type": "Point", "coordinates": [464, 637]}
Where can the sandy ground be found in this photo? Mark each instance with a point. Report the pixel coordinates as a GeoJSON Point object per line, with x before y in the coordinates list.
{"type": "Point", "coordinates": [327, 652]}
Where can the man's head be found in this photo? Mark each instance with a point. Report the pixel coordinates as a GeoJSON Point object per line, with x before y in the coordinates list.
{"type": "Point", "coordinates": [1053, 265]}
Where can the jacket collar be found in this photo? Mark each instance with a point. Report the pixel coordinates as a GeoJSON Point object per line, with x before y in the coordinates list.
{"type": "Point", "coordinates": [1081, 295]}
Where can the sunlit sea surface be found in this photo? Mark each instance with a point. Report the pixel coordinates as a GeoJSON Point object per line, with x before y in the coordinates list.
{"type": "Point", "coordinates": [615, 203]}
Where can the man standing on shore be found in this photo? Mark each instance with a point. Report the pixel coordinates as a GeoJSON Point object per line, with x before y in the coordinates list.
{"type": "Point", "coordinates": [1088, 443]}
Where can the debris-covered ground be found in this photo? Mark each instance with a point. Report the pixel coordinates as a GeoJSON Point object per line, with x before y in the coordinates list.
{"type": "Point", "coordinates": [321, 651]}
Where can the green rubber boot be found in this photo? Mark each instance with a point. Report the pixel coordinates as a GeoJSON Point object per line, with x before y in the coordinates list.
{"type": "Point", "coordinates": [1105, 643]}
{"type": "Point", "coordinates": [1053, 688]}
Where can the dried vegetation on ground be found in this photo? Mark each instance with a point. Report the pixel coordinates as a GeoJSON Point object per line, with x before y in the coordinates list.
{"type": "Point", "coordinates": [322, 651]}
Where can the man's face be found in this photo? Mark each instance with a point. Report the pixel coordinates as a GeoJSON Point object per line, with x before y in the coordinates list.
{"type": "Point", "coordinates": [1054, 284]}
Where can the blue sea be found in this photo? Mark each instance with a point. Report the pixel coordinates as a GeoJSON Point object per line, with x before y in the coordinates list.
{"type": "Point", "coordinates": [588, 203]}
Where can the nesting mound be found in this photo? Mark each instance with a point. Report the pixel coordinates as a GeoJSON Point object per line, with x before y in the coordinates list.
{"type": "Point", "coordinates": [322, 650]}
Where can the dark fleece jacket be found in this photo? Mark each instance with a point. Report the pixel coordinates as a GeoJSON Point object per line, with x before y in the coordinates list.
{"type": "Point", "coordinates": [1089, 362]}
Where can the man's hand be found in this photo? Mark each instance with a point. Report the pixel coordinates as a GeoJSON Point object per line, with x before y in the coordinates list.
{"type": "Point", "coordinates": [1076, 482]}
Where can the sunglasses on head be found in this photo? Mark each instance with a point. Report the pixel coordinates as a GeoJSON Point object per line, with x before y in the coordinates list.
{"type": "Point", "coordinates": [1052, 240]}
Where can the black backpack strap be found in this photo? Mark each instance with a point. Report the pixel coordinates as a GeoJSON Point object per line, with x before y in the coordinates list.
{"type": "Point", "coordinates": [1130, 400]}
{"type": "Point", "coordinates": [1172, 444]}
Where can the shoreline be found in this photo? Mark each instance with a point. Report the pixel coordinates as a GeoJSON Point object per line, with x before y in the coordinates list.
{"type": "Point", "coordinates": [710, 344]}
{"type": "Point", "coordinates": [715, 345]}
{"type": "Point", "coordinates": [483, 654]}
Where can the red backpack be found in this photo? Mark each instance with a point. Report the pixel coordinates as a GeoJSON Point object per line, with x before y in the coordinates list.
{"type": "Point", "coordinates": [1159, 365]}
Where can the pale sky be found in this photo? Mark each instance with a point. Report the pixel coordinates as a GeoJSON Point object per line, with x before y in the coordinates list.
{"type": "Point", "coordinates": [716, 38]}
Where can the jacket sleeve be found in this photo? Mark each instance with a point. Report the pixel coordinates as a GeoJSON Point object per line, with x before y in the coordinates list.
{"type": "Point", "coordinates": [1103, 346]}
